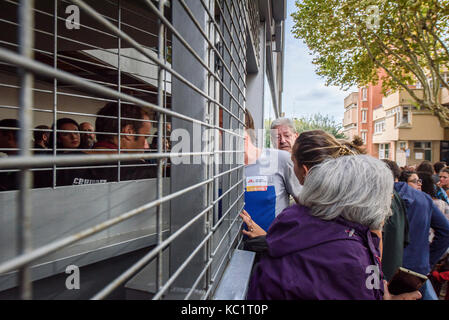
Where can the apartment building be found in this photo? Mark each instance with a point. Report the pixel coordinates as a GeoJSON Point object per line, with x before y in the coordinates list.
{"type": "Point", "coordinates": [358, 117]}
{"type": "Point", "coordinates": [350, 119]}
{"type": "Point", "coordinates": [392, 127]}
{"type": "Point", "coordinates": [407, 134]}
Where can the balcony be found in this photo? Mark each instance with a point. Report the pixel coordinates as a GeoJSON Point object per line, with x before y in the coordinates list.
{"type": "Point", "coordinates": [400, 97]}
{"type": "Point", "coordinates": [351, 99]}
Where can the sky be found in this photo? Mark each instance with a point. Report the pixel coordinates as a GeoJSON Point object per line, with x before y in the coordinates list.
{"type": "Point", "coordinates": [305, 92]}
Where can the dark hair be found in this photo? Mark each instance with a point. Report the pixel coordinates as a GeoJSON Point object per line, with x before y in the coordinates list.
{"type": "Point", "coordinates": [445, 169]}
{"type": "Point", "coordinates": [425, 166]}
{"type": "Point", "coordinates": [405, 175]}
{"type": "Point", "coordinates": [438, 166]}
{"type": "Point", "coordinates": [249, 125]}
{"type": "Point", "coordinates": [37, 135]}
{"type": "Point", "coordinates": [393, 167]}
{"type": "Point", "coordinates": [110, 125]}
{"type": "Point", "coordinates": [428, 186]}
{"type": "Point", "coordinates": [315, 146]}
{"type": "Point", "coordinates": [11, 123]}
{"type": "Point", "coordinates": [59, 124]}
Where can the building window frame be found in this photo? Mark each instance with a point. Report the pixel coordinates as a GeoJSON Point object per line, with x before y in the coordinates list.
{"type": "Point", "coordinates": [364, 136]}
{"type": "Point", "coordinates": [384, 151]}
{"type": "Point", "coordinates": [424, 147]}
{"type": "Point", "coordinates": [364, 94]}
{"type": "Point", "coordinates": [364, 115]}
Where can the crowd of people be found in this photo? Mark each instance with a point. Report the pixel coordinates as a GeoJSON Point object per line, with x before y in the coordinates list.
{"type": "Point", "coordinates": [326, 220]}
{"type": "Point", "coordinates": [356, 221]}
{"type": "Point", "coordinates": [85, 138]}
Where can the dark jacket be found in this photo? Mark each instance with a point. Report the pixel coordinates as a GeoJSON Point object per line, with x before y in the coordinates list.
{"type": "Point", "coordinates": [422, 214]}
{"type": "Point", "coordinates": [395, 237]}
{"type": "Point", "coordinates": [309, 258]}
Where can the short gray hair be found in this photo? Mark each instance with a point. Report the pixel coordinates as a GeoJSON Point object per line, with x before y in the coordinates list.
{"type": "Point", "coordinates": [358, 188]}
{"type": "Point", "coordinates": [283, 122]}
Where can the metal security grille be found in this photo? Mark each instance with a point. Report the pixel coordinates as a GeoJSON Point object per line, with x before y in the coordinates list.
{"type": "Point", "coordinates": [184, 63]}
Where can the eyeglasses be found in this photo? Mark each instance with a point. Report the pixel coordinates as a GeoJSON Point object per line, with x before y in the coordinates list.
{"type": "Point", "coordinates": [416, 181]}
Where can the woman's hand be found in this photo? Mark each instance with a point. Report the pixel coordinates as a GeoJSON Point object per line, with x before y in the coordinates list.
{"type": "Point", "coordinates": [253, 228]}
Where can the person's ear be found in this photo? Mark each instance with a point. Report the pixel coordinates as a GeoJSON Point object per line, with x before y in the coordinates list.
{"type": "Point", "coordinates": [127, 132]}
{"type": "Point", "coordinates": [306, 170]}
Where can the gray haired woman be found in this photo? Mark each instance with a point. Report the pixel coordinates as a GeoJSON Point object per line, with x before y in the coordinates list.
{"type": "Point", "coordinates": [324, 248]}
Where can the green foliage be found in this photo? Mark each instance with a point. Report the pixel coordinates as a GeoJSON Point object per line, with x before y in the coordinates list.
{"type": "Point", "coordinates": [352, 40]}
{"type": "Point", "coordinates": [319, 121]}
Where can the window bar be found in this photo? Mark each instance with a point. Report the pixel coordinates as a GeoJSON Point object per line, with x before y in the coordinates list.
{"type": "Point", "coordinates": [42, 251]}
{"type": "Point", "coordinates": [24, 237]}
{"type": "Point", "coordinates": [139, 48]}
{"type": "Point", "coordinates": [161, 126]}
{"type": "Point", "coordinates": [40, 68]}
{"type": "Point", "coordinates": [119, 89]}
{"type": "Point", "coordinates": [219, 31]}
{"type": "Point", "coordinates": [181, 39]}
{"type": "Point", "coordinates": [195, 21]}
{"type": "Point", "coordinates": [55, 86]}
{"type": "Point", "coordinates": [228, 252]}
{"type": "Point", "coordinates": [233, 23]}
{"type": "Point", "coordinates": [228, 28]}
{"type": "Point", "coordinates": [210, 114]}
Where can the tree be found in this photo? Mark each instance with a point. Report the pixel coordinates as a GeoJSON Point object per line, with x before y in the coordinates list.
{"type": "Point", "coordinates": [353, 39]}
{"type": "Point", "coordinates": [322, 122]}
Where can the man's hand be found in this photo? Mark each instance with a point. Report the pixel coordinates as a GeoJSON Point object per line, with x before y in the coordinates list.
{"type": "Point", "coordinates": [414, 295]}
{"type": "Point", "coordinates": [253, 228]}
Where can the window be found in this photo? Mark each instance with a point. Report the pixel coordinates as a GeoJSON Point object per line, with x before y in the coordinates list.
{"type": "Point", "coordinates": [422, 150]}
{"type": "Point", "coordinates": [364, 135]}
{"type": "Point", "coordinates": [384, 151]}
{"type": "Point", "coordinates": [364, 94]}
{"type": "Point", "coordinates": [379, 126]}
{"type": "Point", "coordinates": [364, 114]}
{"type": "Point", "coordinates": [402, 116]}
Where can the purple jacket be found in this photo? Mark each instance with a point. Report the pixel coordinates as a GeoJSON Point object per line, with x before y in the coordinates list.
{"type": "Point", "coordinates": [310, 259]}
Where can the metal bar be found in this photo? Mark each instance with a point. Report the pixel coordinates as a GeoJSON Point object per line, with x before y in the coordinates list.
{"type": "Point", "coordinates": [223, 260]}
{"type": "Point", "coordinates": [219, 31]}
{"type": "Point", "coordinates": [42, 161]}
{"type": "Point", "coordinates": [212, 46]}
{"type": "Point", "coordinates": [200, 276]}
{"type": "Point", "coordinates": [138, 47]}
{"type": "Point", "coordinates": [184, 42]}
{"type": "Point", "coordinates": [182, 267]}
{"type": "Point", "coordinates": [24, 246]}
{"type": "Point", "coordinates": [230, 32]}
{"type": "Point", "coordinates": [230, 226]}
{"type": "Point", "coordinates": [43, 69]}
{"type": "Point", "coordinates": [55, 86]}
{"type": "Point", "coordinates": [226, 192]}
{"type": "Point", "coordinates": [146, 259]}
{"type": "Point", "coordinates": [119, 88]}
{"type": "Point", "coordinates": [160, 102]}
{"type": "Point", "coordinates": [61, 243]}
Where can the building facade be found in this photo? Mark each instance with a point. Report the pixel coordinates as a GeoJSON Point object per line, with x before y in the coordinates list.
{"type": "Point", "coordinates": [350, 118]}
{"type": "Point", "coordinates": [392, 127]}
{"type": "Point", "coordinates": [406, 134]}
